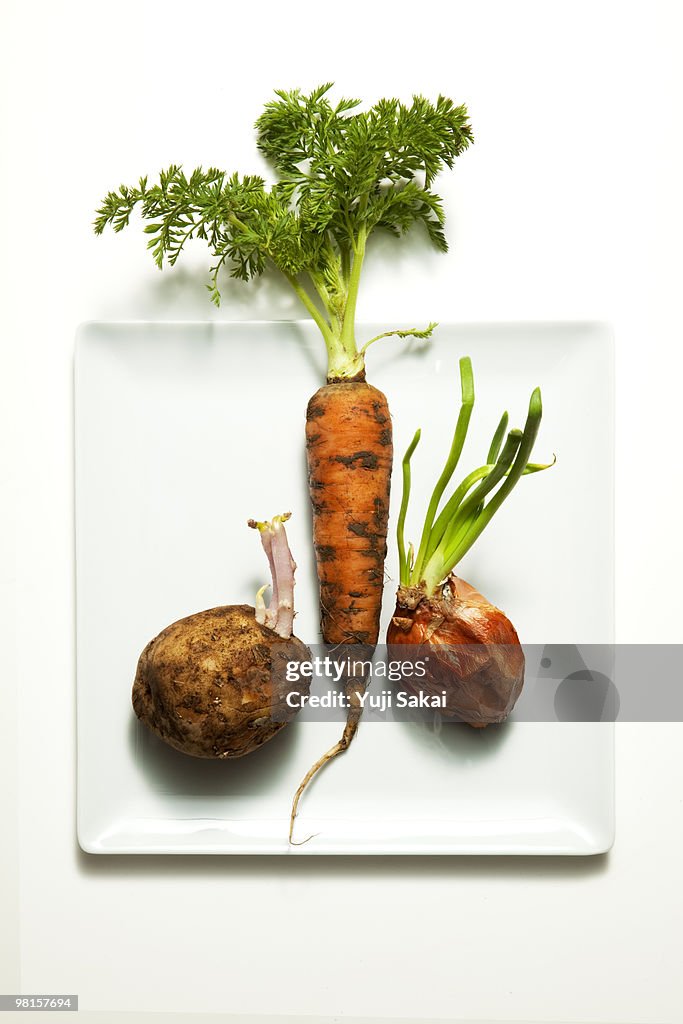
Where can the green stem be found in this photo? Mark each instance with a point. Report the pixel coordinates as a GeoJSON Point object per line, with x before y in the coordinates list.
{"type": "Point", "coordinates": [510, 450]}
{"type": "Point", "coordinates": [315, 313]}
{"type": "Point", "coordinates": [529, 437]}
{"type": "Point", "coordinates": [348, 334]}
{"type": "Point", "coordinates": [344, 361]}
{"type": "Point", "coordinates": [497, 441]}
{"type": "Point", "coordinates": [323, 294]}
{"type": "Point", "coordinates": [467, 392]}
{"type": "Point", "coordinates": [345, 261]}
{"type": "Point", "coordinates": [457, 530]}
{"type": "Point", "coordinates": [410, 332]}
{"type": "Point", "coordinates": [442, 561]}
{"type": "Point", "coordinates": [403, 562]}
{"type": "Point", "coordinates": [451, 507]}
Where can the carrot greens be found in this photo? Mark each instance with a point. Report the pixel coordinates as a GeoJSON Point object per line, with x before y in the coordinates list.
{"type": "Point", "coordinates": [344, 174]}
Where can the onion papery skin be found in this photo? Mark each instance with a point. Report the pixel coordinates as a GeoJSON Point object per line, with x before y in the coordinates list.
{"type": "Point", "coordinates": [473, 650]}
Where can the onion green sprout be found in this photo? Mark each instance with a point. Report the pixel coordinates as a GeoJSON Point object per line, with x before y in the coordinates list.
{"type": "Point", "coordinates": [448, 535]}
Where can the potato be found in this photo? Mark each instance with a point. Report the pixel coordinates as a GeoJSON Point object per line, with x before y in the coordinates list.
{"type": "Point", "coordinates": [214, 684]}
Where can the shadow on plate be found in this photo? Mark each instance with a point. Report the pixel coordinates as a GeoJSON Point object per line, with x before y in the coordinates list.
{"type": "Point", "coordinates": [458, 742]}
{"type": "Point", "coordinates": [167, 770]}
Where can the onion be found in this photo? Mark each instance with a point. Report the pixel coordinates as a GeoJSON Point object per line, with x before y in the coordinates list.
{"type": "Point", "coordinates": [475, 658]}
{"type": "Point", "coordinates": [469, 648]}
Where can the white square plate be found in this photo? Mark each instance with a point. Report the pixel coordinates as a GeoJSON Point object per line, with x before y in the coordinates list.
{"type": "Point", "coordinates": [185, 430]}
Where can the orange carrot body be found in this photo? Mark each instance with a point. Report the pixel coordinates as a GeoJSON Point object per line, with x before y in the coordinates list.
{"type": "Point", "coordinates": [349, 449]}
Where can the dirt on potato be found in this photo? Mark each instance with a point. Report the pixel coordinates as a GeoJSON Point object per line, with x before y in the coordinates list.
{"type": "Point", "coordinates": [214, 684]}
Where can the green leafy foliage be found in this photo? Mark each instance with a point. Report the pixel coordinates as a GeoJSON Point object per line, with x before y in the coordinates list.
{"type": "Point", "coordinates": [363, 170]}
{"type": "Point", "coordinates": [343, 174]}
{"type": "Point", "coordinates": [243, 222]}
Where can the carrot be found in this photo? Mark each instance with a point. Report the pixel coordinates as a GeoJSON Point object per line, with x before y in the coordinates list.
{"type": "Point", "coordinates": [349, 451]}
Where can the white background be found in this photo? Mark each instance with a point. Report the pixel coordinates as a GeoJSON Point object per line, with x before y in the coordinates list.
{"type": "Point", "coordinates": [569, 205]}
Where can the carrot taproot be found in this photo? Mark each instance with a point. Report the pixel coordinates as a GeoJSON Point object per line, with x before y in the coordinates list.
{"type": "Point", "coordinates": [349, 452]}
